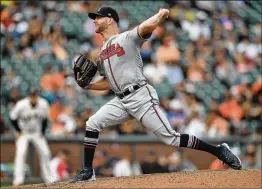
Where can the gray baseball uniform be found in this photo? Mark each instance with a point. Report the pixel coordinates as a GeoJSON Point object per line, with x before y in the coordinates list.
{"type": "Point", "coordinates": [120, 62]}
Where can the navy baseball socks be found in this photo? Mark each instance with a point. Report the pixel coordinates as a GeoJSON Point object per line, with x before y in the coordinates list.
{"type": "Point", "coordinates": [87, 173]}
{"type": "Point", "coordinates": [90, 143]}
{"type": "Point", "coordinates": [222, 151]}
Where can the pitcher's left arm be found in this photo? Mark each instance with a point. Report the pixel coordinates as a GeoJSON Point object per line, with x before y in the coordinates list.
{"type": "Point", "coordinates": [99, 85]}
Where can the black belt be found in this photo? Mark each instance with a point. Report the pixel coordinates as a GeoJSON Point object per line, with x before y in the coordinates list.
{"type": "Point", "coordinates": [127, 92]}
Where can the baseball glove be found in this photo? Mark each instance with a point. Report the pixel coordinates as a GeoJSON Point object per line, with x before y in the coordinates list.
{"type": "Point", "coordinates": [84, 70]}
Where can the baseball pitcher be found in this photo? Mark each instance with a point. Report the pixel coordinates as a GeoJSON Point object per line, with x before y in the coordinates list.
{"type": "Point", "coordinates": [120, 64]}
{"type": "Point", "coordinates": [29, 117]}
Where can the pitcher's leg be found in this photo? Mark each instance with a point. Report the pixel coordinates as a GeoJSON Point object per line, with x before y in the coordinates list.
{"type": "Point", "coordinates": [43, 150]}
{"type": "Point", "coordinates": [20, 160]}
{"type": "Point", "coordinates": [108, 115]}
{"type": "Point", "coordinates": [111, 113]}
{"type": "Point", "coordinates": [156, 120]}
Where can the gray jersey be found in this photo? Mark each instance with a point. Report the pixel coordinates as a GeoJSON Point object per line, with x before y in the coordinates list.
{"type": "Point", "coordinates": [120, 61]}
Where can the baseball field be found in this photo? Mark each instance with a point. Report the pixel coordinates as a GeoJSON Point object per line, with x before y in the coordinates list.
{"type": "Point", "coordinates": [197, 179]}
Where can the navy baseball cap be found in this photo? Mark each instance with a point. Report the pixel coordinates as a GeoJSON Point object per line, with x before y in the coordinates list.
{"type": "Point", "coordinates": [105, 12]}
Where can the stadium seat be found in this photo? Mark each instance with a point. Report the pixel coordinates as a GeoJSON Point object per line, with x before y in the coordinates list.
{"type": "Point", "coordinates": [164, 89]}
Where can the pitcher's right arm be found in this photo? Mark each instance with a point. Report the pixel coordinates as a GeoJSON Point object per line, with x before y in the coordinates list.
{"type": "Point", "coordinates": [143, 31]}
{"type": "Point", "coordinates": [149, 25]}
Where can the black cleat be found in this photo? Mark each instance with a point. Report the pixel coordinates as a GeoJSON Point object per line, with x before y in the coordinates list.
{"type": "Point", "coordinates": [84, 175]}
{"type": "Point", "coordinates": [227, 157]}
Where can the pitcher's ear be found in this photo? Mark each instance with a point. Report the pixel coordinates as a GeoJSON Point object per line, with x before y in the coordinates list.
{"type": "Point", "coordinates": [110, 20]}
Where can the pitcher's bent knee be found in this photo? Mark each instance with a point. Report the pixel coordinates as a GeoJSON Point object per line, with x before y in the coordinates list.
{"type": "Point", "coordinates": [172, 141]}
{"type": "Point", "coordinates": [171, 138]}
{"type": "Point", "coordinates": [93, 124]}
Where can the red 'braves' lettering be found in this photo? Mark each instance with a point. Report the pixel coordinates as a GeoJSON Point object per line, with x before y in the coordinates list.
{"type": "Point", "coordinates": [112, 50]}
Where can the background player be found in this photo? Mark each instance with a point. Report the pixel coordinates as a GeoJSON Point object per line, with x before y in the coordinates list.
{"type": "Point", "coordinates": [29, 117]}
{"type": "Point", "coordinates": [121, 65]}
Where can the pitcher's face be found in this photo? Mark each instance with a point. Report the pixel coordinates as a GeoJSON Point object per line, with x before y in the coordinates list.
{"type": "Point", "coordinates": [101, 24]}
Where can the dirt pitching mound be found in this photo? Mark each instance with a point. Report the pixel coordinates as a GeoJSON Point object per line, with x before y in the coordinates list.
{"type": "Point", "coordinates": [195, 179]}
